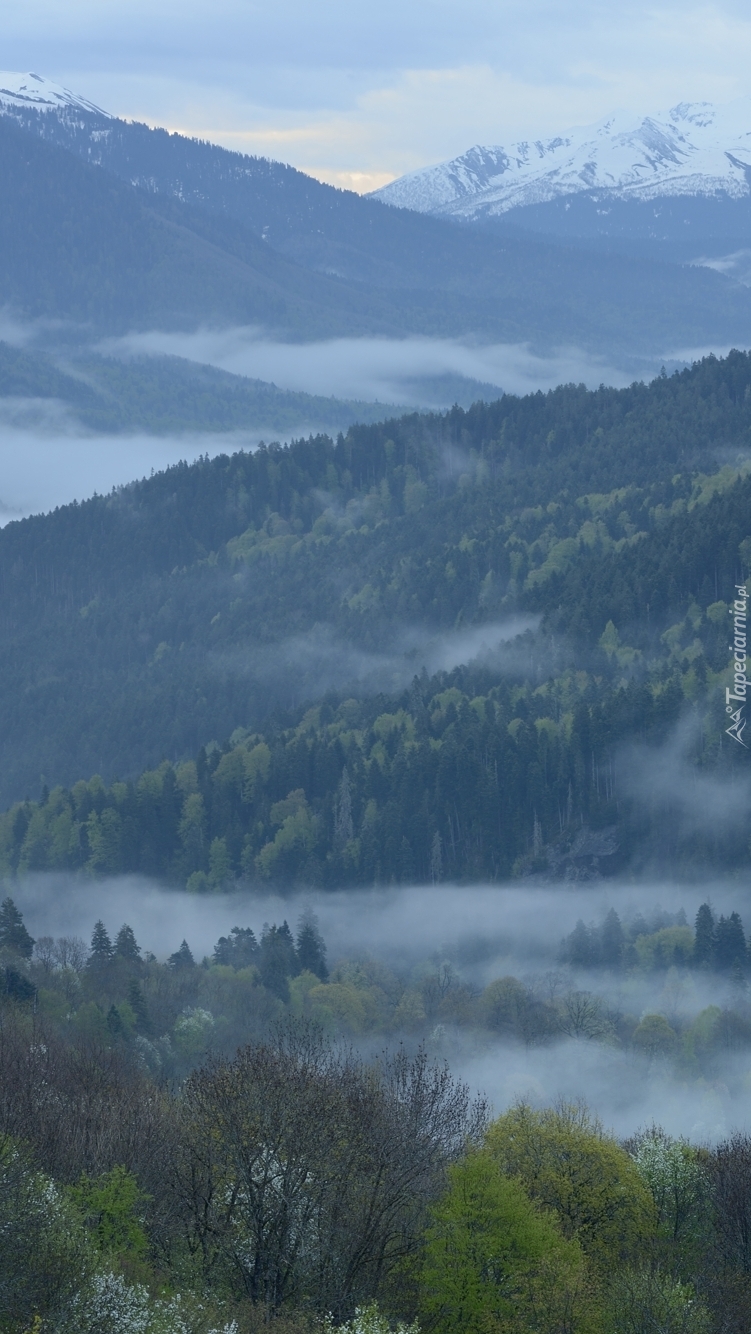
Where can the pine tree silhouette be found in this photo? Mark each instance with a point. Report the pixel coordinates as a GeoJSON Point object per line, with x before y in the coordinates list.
{"type": "Point", "coordinates": [182, 958]}
{"type": "Point", "coordinates": [311, 949]}
{"type": "Point", "coordinates": [101, 946]}
{"type": "Point", "coordinates": [125, 944]}
{"type": "Point", "coordinates": [13, 933]}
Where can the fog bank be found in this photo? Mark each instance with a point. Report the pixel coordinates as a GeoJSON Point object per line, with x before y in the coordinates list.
{"type": "Point", "coordinates": [383, 369]}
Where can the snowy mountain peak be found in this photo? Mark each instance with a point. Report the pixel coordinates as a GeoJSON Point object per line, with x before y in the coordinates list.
{"type": "Point", "coordinates": [34, 92]}
{"type": "Point", "coordinates": [694, 148]}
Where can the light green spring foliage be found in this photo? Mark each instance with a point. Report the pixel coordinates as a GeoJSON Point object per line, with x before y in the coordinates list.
{"type": "Point", "coordinates": [56, 1247]}
{"type": "Point", "coordinates": [567, 1164]}
{"type": "Point", "coordinates": [111, 1205]}
{"type": "Point", "coordinates": [493, 1261]}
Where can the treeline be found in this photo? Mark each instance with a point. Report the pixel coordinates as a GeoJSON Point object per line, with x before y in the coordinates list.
{"type": "Point", "coordinates": [175, 1013]}
{"type": "Point", "coordinates": [717, 944]}
{"type": "Point", "coordinates": [168, 394]}
{"type": "Point", "coordinates": [437, 784]}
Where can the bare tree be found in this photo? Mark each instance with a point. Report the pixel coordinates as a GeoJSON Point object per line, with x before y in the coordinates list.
{"type": "Point", "coordinates": [305, 1173]}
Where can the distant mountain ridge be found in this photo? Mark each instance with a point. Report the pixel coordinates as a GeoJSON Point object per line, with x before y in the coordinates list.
{"type": "Point", "coordinates": [695, 148]}
{"type": "Point", "coordinates": [113, 226]}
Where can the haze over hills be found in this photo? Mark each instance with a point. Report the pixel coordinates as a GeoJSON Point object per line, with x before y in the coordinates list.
{"type": "Point", "coordinates": [205, 235]}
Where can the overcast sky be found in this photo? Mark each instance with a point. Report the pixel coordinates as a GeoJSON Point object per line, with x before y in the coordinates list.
{"type": "Point", "coordinates": [357, 92]}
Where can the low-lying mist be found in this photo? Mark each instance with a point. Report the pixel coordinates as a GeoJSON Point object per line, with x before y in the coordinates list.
{"type": "Point", "coordinates": [482, 932]}
{"type": "Point", "coordinates": [385, 369]}
{"type": "Point", "coordinates": [306, 666]}
{"type": "Point", "coordinates": [46, 459]}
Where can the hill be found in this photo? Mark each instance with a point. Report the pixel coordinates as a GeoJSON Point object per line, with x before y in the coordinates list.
{"type": "Point", "coordinates": [326, 575]}
{"type": "Point", "coordinates": [169, 395]}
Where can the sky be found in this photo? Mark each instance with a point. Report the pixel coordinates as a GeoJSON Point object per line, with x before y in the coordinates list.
{"type": "Point", "coordinates": [357, 93]}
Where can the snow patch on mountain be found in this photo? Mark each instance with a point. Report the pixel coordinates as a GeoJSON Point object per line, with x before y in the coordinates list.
{"type": "Point", "coordinates": [695, 148]}
{"type": "Point", "coordinates": [32, 92]}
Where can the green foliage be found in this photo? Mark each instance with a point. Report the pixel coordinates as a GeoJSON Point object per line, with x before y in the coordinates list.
{"type": "Point", "coordinates": [569, 1165]}
{"type": "Point", "coordinates": [44, 1257]}
{"type": "Point", "coordinates": [111, 1207]}
{"type": "Point", "coordinates": [369, 1320]}
{"type": "Point", "coordinates": [677, 1179]}
{"type": "Point", "coordinates": [493, 1261]}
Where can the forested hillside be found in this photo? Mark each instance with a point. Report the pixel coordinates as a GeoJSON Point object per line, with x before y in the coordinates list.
{"type": "Point", "coordinates": [278, 605]}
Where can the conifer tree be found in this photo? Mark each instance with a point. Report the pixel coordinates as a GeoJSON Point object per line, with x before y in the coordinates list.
{"type": "Point", "coordinates": [730, 943]}
{"type": "Point", "coordinates": [126, 946]}
{"type": "Point", "coordinates": [612, 940]}
{"type": "Point", "coordinates": [182, 958]}
{"type": "Point", "coordinates": [137, 1004]}
{"type": "Point", "coordinates": [704, 940]}
{"type": "Point", "coordinates": [101, 946]}
{"type": "Point", "coordinates": [13, 933]}
{"type": "Point", "coordinates": [311, 949]}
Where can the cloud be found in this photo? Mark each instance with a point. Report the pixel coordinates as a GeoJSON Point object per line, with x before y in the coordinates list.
{"type": "Point", "coordinates": [306, 666]}
{"type": "Point", "coordinates": [47, 460]}
{"type": "Point", "coordinates": [366, 90]}
{"type": "Point", "coordinates": [390, 370]}
{"type": "Point", "coordinates": [489, 931]}
{"type": "Point", "coordinates": [669, 779]}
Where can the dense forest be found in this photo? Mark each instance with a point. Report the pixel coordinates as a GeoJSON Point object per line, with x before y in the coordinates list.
{"type": "Point", "coordinates": [239, 649]}
{"type": "Point", "coordinates": [189, 1147]}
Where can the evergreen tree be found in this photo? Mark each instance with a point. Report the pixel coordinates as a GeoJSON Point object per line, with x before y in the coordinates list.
{"type": "Point", "coordinates": [436, 859]}
{"type": "Point", "coordinates": [125, 945]}
{"type": "Point", "coordinates": [730, 943]}
{"type": "Point", "coordinates": [311, 949]}
{"type": "Point", "coordinates": [137, 1004]}
{"type": "Point", "coordinates": [182, 958]}
{"type": "Point", "coordinates": [115, 1023]}
{"type": "Point", "coordinates": [612, 940]}
{"type": "Point", "coordinates": [704, 940]}
{"type": "Point", "coordinates": [237, 950]}
{"type": "Point", "coordinates": [101, 946]}
{"type": "Point", "coordinates": [278, 960]}
{"type": "Point", "coordinates": [580, 948]}
{"type": "Point", "coordinates": [13, 933]}
{"type": "Point", "coordinates": [16, 986]}
{"type": "Point", "coordinates": [344, 829]}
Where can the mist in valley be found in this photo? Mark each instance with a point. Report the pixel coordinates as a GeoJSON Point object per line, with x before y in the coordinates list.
{"type": "Point", "coordinates": [390, 370]}
{"type": "Point", "coordinates": [473, 935]}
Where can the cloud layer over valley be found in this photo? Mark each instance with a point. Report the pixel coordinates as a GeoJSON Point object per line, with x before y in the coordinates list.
{"type": "Point", "coordinates": [484, 932]}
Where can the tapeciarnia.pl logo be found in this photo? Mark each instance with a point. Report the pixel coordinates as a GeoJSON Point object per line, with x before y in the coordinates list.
{"type": "Point", "coordinates": [737, 696]}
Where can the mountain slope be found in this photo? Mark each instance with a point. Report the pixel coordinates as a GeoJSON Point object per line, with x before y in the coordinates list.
{"type": "Point", "coordinates": [204, 259]}
{"type": "Point", "coordinates": [137, 626]}
{"type": "Point", "coordinates": [171, 395]}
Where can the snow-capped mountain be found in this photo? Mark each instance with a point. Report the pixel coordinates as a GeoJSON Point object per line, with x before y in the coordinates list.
{"type": "Point", "coordinates": [32, 92]}
{"type": "Point", "coordinates": [693, 149]}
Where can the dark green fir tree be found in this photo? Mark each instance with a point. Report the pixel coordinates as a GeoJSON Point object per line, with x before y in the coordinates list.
{"type": "Point", "coordinates": [13, 933]}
